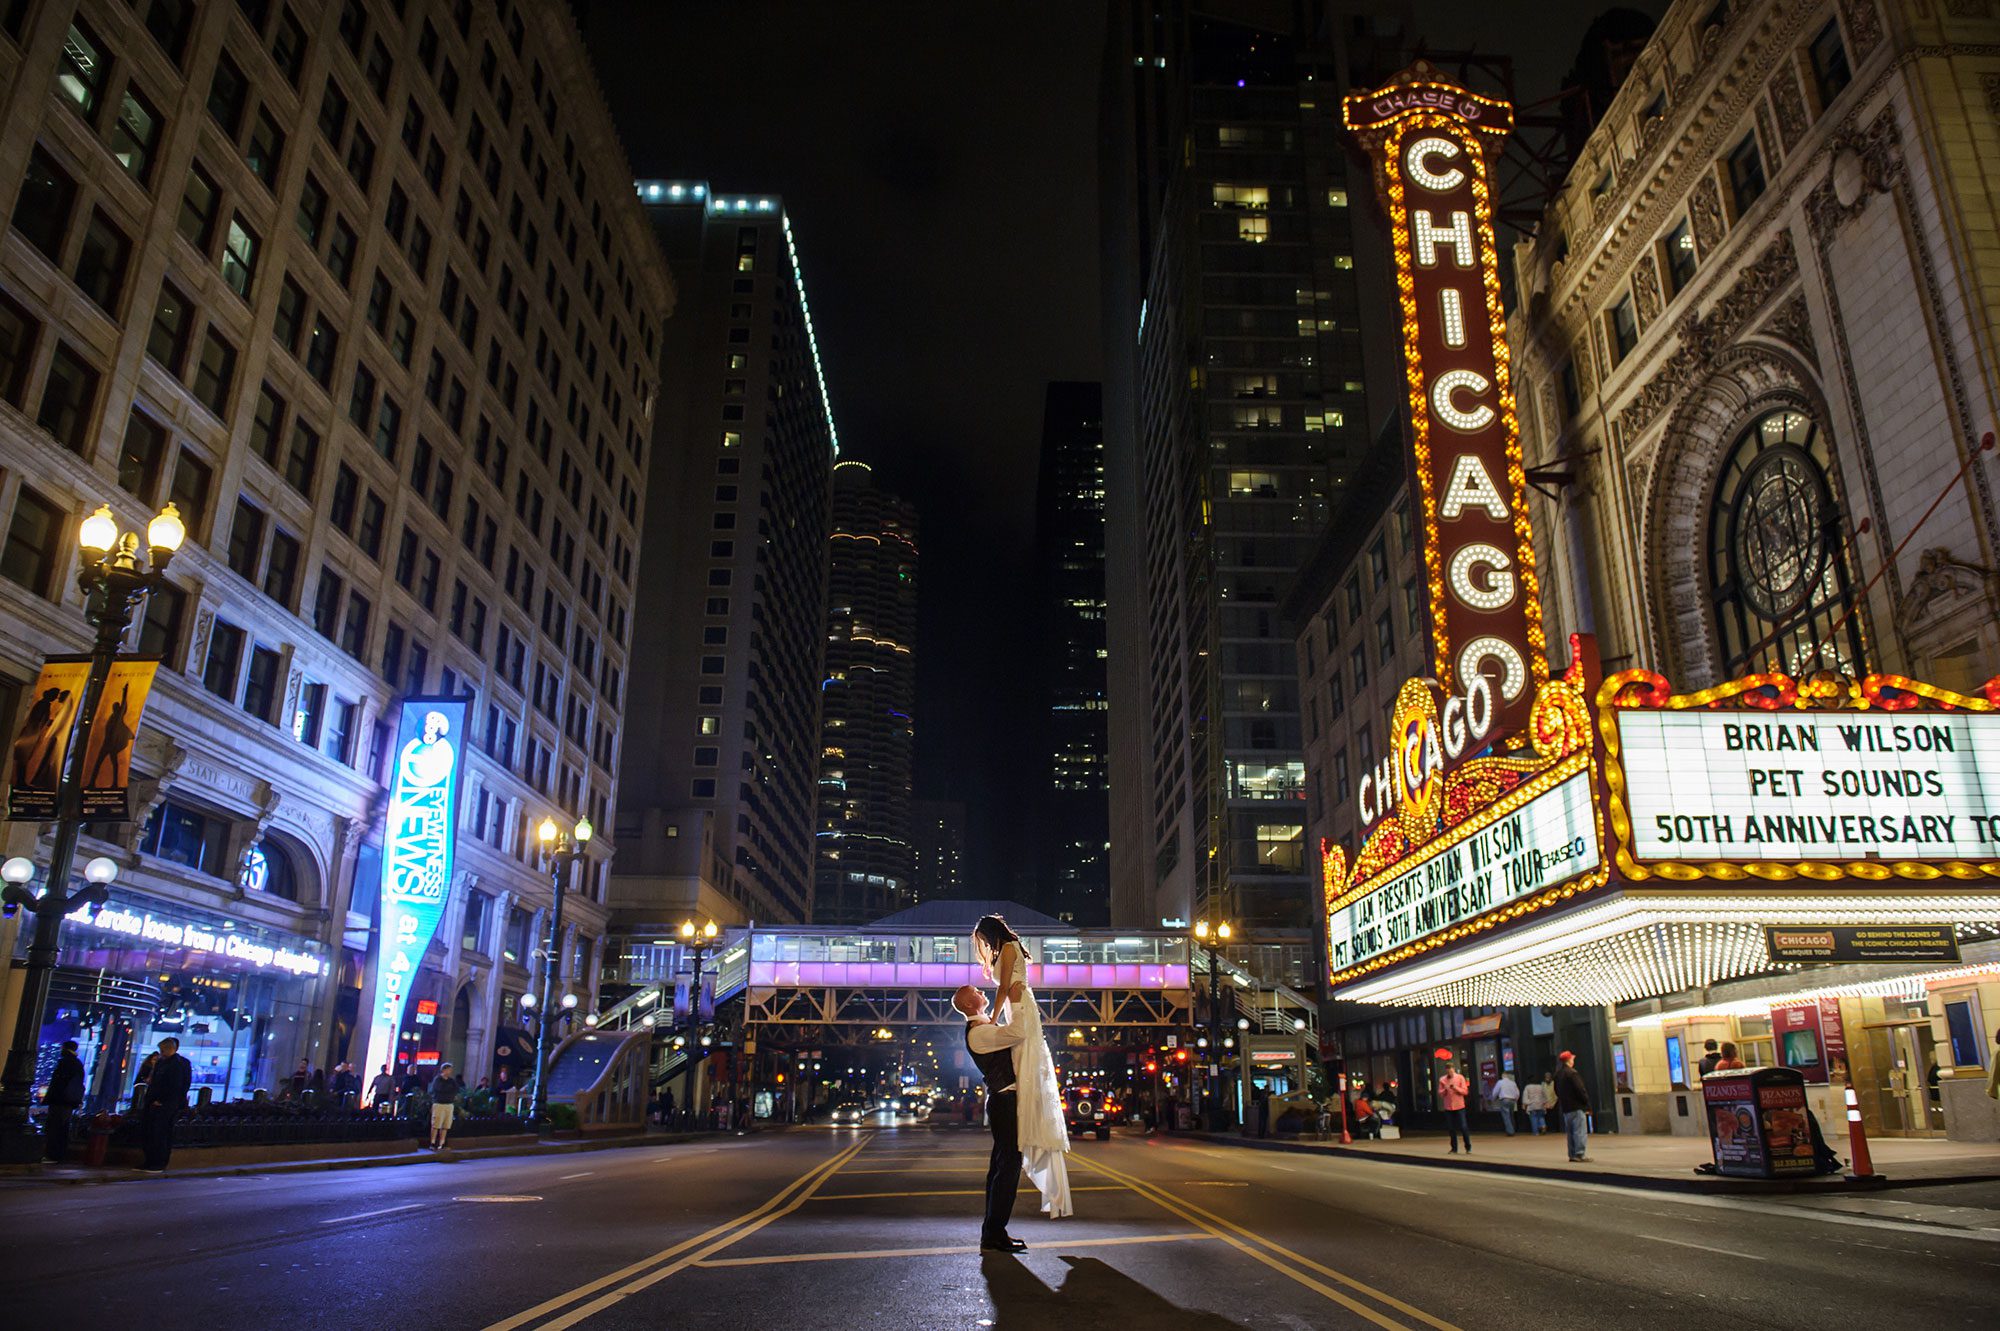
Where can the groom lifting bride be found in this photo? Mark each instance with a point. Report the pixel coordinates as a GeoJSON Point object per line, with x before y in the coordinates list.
{"type": "Point", "coordinates": [1023, 1103]}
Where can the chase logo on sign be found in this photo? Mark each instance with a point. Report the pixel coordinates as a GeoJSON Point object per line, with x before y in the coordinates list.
{"type": "Point", "coordinates": [416, 857]}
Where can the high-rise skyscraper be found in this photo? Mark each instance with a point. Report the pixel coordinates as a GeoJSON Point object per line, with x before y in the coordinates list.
{"type": "Point", "coordinates": [730, 631]}
{"type": "Point", "coordinates": [1073, 832]}
{"type": "Point", "coordinates": [865, 867]}
{"type": "Point", "coordinates": [939, 836]}
{"type": "Point", "coordinates": [1237, 410]}
{"type": "Point", "coordinates": [359, 288]}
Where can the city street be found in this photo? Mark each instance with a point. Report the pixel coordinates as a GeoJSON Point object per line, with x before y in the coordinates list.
{"type": "Point", "coordinates": [878, 1228]}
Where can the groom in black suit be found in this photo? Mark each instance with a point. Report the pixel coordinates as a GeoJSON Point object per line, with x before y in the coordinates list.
{"type": "Point", "coordinates": [995, 1050]}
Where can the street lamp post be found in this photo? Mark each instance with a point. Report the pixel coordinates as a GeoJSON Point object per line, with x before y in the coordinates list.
{"type": "Point", "coordinates": [114, 583]}
{"type": "Point", "coordinates": [1212, 938]}
{"type": "Point", "coordinates": [562, 849]}
{"type": "Point", "coordinates": [697, 938]}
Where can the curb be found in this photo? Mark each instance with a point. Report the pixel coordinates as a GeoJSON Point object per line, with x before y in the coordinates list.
{"type": "Point", "coordinates": [1701, 1184]}
{"type": "Point", "coordinates": [419, 1157]}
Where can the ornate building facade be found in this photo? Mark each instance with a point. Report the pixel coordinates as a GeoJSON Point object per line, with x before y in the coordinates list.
{"type": "Point", "coordinates": [1756, 349]}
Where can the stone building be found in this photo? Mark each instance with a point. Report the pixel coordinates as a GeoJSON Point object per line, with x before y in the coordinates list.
{"type": "Point", "coordinates": [362, 288]}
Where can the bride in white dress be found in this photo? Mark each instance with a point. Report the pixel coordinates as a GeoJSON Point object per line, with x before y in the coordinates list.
{"type": "Point", "coordinates": [1044, 1133]}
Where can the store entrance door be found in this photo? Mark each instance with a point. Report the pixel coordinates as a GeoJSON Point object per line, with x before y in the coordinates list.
{"type": "Point", "coordinates": [1903, 1053]}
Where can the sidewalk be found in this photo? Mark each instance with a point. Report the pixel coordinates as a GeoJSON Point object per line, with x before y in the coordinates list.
{"type": "Point", "coordinates": [1648, 1161]}
{"type": "Point", "coordinates": [198, 1162]}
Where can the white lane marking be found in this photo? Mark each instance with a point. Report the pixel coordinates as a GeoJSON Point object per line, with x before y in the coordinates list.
{"type": "Point", "coordinates": [1287, 1168]}
{"type": "Point", "coordinates": [387, 1210]}
{"type": "Point", "coordinates": [567, 1177]}
{"type": "Point", "coordinates": [1683, 1243]}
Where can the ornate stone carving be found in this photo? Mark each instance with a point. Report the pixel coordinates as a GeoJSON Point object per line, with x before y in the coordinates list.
{"type": "Point", "coordinates": [1790, 104]}
{"type": "Point", "coordinates": [204, 625]}
{"type": "Point", "coordinates": [1703, 337]}
{"type": "Point", "coordinates": [1966, 8]}
{"type": "Point", "coordinates": [1864, 25]}
{"type": "Point", "coordinates": [1861, 164]}
{"type": "Point", "coordinates": [293, 683]}
{"type": "Point", "coordinates": [1705, 206]}
{"type": "Point", "coordinates": [1646, 288]}
{"type": "Point", "coordinates": [1942, 586]}
{"type": "Point", "coordinates": [1990, 85]}
{"type": "Point", "coordinates": [1769, 135]}
{"type": "Point", "coordinates": [1585, 366]}
{"type": "Point", "coordinates": [1792, 325]}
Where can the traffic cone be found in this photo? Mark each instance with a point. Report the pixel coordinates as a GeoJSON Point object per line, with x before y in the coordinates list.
{"type": "Point", "coordinates": [1857, 1139]}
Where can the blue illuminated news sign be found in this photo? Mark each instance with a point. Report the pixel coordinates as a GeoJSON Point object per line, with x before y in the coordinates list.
{"type": "Point", "coordinates": [416, 859]}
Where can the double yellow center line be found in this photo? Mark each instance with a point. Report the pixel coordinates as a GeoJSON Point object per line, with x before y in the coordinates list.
{"type": "Point", "coordinates": [1276, 1256]}
{"type": "Point", "coordinates": [586, 1300]}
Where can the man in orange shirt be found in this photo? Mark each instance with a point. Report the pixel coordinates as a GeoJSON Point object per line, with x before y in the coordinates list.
{"type": "Point", "coordinates": [1452, 1089]}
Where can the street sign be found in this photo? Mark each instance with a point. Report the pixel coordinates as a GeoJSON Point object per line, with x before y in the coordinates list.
{"type": "Point", "coordinates": [1842, 942]}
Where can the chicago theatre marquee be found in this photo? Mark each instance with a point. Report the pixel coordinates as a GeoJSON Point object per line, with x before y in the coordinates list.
{"type": "Point", "coordinates": [1808, 866]}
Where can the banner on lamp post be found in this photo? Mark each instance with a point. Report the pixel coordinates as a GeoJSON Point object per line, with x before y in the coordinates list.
{"type": "Point", "coordinates": [41, 744]}
{"type": "Point", "coordinates": [417, 844]}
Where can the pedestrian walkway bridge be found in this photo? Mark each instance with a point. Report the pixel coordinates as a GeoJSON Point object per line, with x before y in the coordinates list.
{"type": "Point", "coordinates": [819, 980]}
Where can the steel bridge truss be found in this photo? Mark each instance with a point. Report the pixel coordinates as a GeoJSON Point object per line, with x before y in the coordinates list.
{"type": "Point", "coordinates": [836, 1006]}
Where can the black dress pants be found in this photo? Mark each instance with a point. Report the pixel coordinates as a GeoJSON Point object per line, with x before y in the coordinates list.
{"type": "Point", "coordinates": [55, 1128]}
{"type": "Point", "coordinates": [157, 1129]}
{"type": "Point", "coordinates": [1003, 1171]}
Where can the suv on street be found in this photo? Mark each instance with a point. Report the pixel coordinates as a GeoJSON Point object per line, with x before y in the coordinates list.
{"type": "Point", "coordinates": [1086, 1110]}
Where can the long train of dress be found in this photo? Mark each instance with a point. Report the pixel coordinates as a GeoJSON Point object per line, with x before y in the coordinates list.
{"type": "Point", "coordinates": [1044, 1132]}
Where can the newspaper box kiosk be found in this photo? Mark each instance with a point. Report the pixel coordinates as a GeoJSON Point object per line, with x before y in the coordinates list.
{"type": "Point", "coordinates": [1757, 1122]}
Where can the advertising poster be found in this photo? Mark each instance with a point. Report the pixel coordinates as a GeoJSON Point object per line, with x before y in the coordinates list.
{"type": "Point", "coordinates": [35, 762]}
{"type": "Point", "coordinates": [417, 844]}
{"type": "Point", "coordinates": [1732, 1127]}
{"type": "Point", "coordinates": [1801, 1042]}
{"type": "Point", "coordinates": [107, 758]}
{"type": "Point", "coordinates": [1787, 1135]}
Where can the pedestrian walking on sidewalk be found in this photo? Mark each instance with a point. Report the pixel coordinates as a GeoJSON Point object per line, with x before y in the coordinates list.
{"type": "Point", "coordinates": [1537, 1100]}
{"type": "Point", "coordinates": [444, 1103]}
{"type": "Point", "coordinates": [1507, 1096]}
{"type": "Point", "coordinates": [1709, 1058]}
{"type": "Point", "coordinates": [1730, 1061]}
{"type": "Point", "coordinates": [65, 1093]}
{"type": "Point", "coordinates": [1573, 1098]}
{"type": "Point", "coordinates": [1452, 1090]}
{"type": "Point", "coordinates": [382, 1092]}
{"type": "Point", "coordinates": [166, 1098]}
{"type": "Point", "coordinates": [139, 1083]}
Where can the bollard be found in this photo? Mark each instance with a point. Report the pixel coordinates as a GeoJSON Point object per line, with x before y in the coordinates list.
{"type": "Point", "coordinates": [1857, 1138]}
{"type": "Point", "coordinates": [1346, 1137]}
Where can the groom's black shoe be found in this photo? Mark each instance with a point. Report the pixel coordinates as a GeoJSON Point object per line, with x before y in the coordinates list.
{"type": "Point", "coordinates": [1002, 1244]}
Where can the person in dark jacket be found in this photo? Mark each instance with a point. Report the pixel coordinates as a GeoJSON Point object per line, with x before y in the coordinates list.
{"type": "Point", "coordinates": [346, 1085]}
{"type": "Point", "coordinates": [65, 1093]}
{"type": "Point", "coordinates": [166, 1097]}
{"type": "Point", "coordinates": [444, 1104]}
{"type": "Point", "coordinates": [139, 1082]}
{"type": "Point", "coordinates": [1573, 1099]}
{"type": "Point", "coordinates": [1710, 1056]}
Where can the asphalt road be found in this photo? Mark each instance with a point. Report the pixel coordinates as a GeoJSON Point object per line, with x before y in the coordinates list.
{"type": "Point", "coordinates": [878, 1228]}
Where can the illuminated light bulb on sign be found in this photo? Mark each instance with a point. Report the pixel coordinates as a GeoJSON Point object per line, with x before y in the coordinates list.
{"type": "Point", "coordinates": [1451, 381]}
{"type": "Point", "coordinates": [1513, 672]}
{"type": "Point", "coordinates": [1451, 306]}
{"type": "Point", "coordinates": [1422, 149]}
{"type": "Point", "coordinates": [1499, 589]}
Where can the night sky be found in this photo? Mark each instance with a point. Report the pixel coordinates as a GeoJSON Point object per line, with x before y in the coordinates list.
{"type": "Point", "coordinates": [939, 163]}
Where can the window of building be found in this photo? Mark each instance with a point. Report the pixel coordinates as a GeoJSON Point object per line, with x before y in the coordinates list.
{"type": "Point", "coordinates": [227, 93]}
{"type": "Point", "coordinates": [17, 348]}
{"type": "Point", "coordinates": [141, 455]}
{"type": "Point", "coordinates": [42, 210]}
{"type": "Point", "coordinates": [82, 71]}
{"type": "Point", "coordinates": [354, 625]}
{"type": "Point", "coordinates": [186, 836]}
{"type": "Point", "coordinates": [302, 458]}
{"type": "Point", "coordinates": [239, 256]}
{"type": "Point", "coordinates": [169, 21]}
{"type": "Point", "coordinates": [166, 341]}
{"type": "Point", "coordinates": [1358, 658]}
{"type": "Point", "coordinates": [320, 350]}
{"type": "Point", "coordinates": [215, 373]}
{"type": "Point", "coordinates": [338, 741]}
{"type": "Point", "coordinates": [135, 134]}
{"type": "Point", "coordinates": [101, 261]}
{"type": "Point", "coordinates": [310, 216]}
{"type": "Point", "coordinates": [262, 683]}
{"type": "Point", "coordinates": [340, 251]}
{"type": "Point", "coordinates": [1829, 63]}
{"type": "Point", "coordinates": [1624, 322]}
{"type": "Point", "coordinates": [288, 47]}
{"type": "Point", "coordinates": [1746, 175]}
{"type": "Point", "coordinates": [193, 479]}
{"type": "Point", "coordinates": [281, 569]}
{"type": "Point", "coordinates": [246, 538]}
{"type": "Point", "coordinates": [160, 631]}
{"type": "Point", "coordinates": [225, 660]}
{"type": "Point", "coordinates": [1777, 557]}
{"type": "Point", "coordinates": [34, 549]}
{"type": "Point", "coordinates": [266, 150]}
{"type": "Point", "coordinates": [1385, 637]}
{"type": "Point", "coordinates": [1678, 251]}
{"type": "Point", "coordinates": [68, 399]}
{"type": "Point", "coordinates": [1281, 846]}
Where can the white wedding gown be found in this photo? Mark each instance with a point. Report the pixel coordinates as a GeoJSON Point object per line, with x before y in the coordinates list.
{"type": "Point", "coordinates": [1044, 1133]}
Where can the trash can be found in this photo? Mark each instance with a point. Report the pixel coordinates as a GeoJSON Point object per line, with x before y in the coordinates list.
{"type": "Point", "coordinates": [1758, 1122]}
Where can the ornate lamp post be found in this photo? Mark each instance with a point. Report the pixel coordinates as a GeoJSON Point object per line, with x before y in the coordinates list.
{"type": "Point", "coordinates": [561, 849]}
{"type": "Point", "coordinates": [698, 939]}
{"type": "Point", "coordinates": [114, 583]}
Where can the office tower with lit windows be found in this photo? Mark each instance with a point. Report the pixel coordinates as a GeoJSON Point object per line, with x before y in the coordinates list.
{"type": "Point", "coordinates": [722, 795]}
{"type": "Point", "coordinates": [1073, 833]}
{"type": "Point", "coordinates": [868, 737]}
{"type": "Point", "coordinates": [360, 287]}
{"type": "Point", "coordinates": [939, 836]}
{"type": "Point", "coordinates": [1238, 405]}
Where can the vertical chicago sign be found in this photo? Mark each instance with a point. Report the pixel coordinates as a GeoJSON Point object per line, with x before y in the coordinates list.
{"type": "Point", "coordinates": [1432, 144]}
{"type": "Point", "coordinates": [416, 859]}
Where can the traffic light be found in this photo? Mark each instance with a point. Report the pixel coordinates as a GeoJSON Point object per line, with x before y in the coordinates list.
{"type": "Point", "coordinates": [1152, 1066]}
{"type": "Point", "coordinates": [1180, 1055]}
